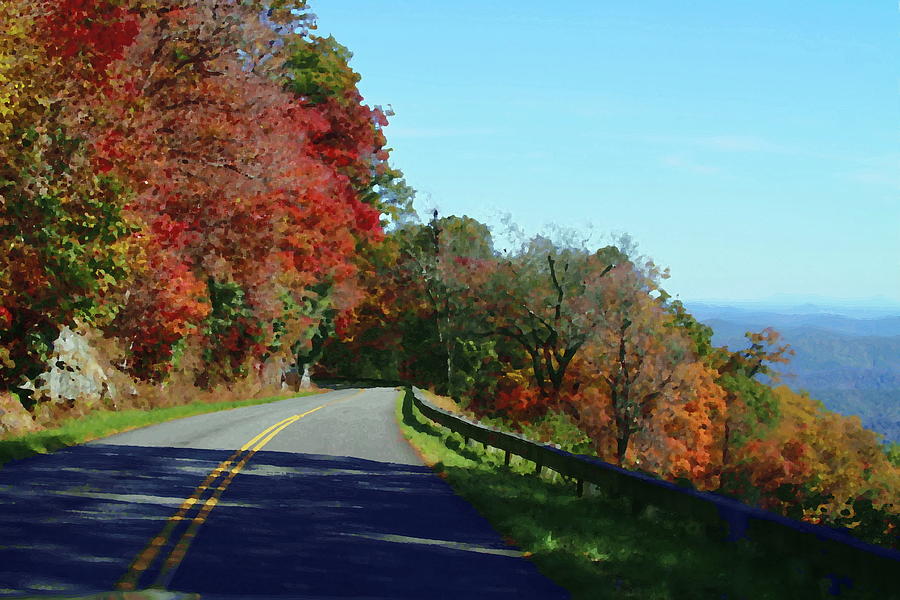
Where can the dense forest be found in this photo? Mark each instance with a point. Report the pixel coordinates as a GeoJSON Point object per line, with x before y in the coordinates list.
{"type": "Point", "coordinates": [195, 193]}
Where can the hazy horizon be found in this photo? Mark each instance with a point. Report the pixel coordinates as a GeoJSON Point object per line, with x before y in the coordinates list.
{"type": "Point", "coordinates": [854, 308]}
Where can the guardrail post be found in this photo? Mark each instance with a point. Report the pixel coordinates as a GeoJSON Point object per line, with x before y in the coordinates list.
{"type": "Point", "coordinates": [506, 460]}
{"type": "Point", "coordinates": [538, 467]}
{"type": "Point", "coordinates": [580, 488]}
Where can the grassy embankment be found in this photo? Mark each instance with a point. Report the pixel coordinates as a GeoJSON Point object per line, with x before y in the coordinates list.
{"type": "Point", "coordinates": [103, 423]}
{"type": "Point", "coordinates": [599, 546]}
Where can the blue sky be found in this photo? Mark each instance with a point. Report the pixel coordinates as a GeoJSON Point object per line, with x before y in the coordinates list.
{"type": "Point", "coordinates": [751, 147]}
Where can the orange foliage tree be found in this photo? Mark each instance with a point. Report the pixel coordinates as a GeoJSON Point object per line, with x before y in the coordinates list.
{"type": "Point", "coordinates": [822, 467]}
{"type": "Point", "coordinates": [645, 399]}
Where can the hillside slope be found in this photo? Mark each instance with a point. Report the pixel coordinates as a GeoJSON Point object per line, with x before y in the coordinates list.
{"type": "Point", "coordinates": [851, 365]}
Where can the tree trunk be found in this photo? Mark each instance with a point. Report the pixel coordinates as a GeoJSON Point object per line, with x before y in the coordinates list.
{"type": "Point", "coordinates": [449, 343]}
{"type": "Point", "coordinates": [725, 443]}
{"type": "Point", "coordinates": [621, 448]}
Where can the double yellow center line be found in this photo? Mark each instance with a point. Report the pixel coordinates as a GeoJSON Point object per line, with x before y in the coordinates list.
{"type": "Point", "coordinates": [224, 473]}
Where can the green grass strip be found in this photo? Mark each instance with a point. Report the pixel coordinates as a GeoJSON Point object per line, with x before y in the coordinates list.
{"type": "Point", "coordinates": [601, 546]}
{"type": "Point", "coordinates": [106, 422]}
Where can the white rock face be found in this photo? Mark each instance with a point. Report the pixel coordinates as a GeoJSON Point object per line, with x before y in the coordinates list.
{"type": "Point", "coordinates": [305, 382]}
{"type": "Point", "coordinates": [75, 371]}
{"type": "Point", "coordinates": [273, 371]}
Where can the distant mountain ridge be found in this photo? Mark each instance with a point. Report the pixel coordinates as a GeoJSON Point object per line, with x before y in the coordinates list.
{"type": "Point", "coordinates": [825, 358]}
{"type": "Point", "coordinates": [882, 326]}
{"type": "Point", "coordinates": [852, 365]}
{"type": "Point", "coordinates": [872, 308]}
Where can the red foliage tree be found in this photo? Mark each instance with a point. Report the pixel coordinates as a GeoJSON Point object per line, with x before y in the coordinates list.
{"type": "Point", "coordinates": [229, 170]}
{"type": "Point", "coordinates": [87, 34]}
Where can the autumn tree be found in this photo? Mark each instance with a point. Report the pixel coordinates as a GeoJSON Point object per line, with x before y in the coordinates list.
{"type": "Point", "coordinates": [414, 309]}
{"type": "Point", "coordinates": [539, 299]}
{"type": "Point", "coordinates": [631, 354]}
{"type": "Point", "coordinates": [63, 228]}
{"type": "Point", "coordinates": [232, 180]}
{"type": "Point", "coordinates": [443, 253]}
{"type": "Point", "coordinates": [202, 174]}
{"type": "Point", "coordinates": [752, 407]}
{"type": "Point", "coordinates": [821, 467]}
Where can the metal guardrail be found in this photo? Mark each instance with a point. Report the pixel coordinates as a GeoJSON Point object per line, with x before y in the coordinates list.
{"type": "Point", "coordinates": [826, 551]}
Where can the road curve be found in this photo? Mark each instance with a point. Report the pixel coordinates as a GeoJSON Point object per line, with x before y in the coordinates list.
{"type": "Point", "coordinates": [312, 497]}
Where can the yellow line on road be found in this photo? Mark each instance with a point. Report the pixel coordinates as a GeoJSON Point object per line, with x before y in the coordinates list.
{"type": "Point", "coordinates": [277, 431]}
{"type": "Point", "coordinates": [178, 553]}
{"type": "Point", "coordinates": [267, 430]}
{"type": "Point", "coordinates": [143, 560]}
{"type": "Point", "coordinates": [146, 557]}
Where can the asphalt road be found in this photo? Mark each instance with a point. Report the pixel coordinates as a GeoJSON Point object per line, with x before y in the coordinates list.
{"type": "Point", "coordinates": [313, 497]}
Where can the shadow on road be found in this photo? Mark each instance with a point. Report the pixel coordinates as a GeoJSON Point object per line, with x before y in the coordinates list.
{"type": "Point", "coordinates": [289, 525]}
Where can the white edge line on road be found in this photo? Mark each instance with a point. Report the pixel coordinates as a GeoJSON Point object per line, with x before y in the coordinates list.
{"type": "Point", "coordinates": [404, 539]}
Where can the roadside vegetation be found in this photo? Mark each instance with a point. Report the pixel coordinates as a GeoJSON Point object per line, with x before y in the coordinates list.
{"type": "Point", "coordinates": [600, 546]}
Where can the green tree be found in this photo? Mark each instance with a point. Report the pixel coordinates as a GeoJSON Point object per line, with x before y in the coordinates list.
{"type": "Point", "coordinates": [752, 407]}
{"type": "Point", "coordinates": [542, 299]}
